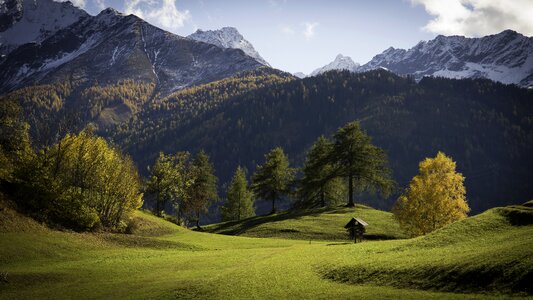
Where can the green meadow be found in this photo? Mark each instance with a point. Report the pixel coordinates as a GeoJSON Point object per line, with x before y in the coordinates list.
{"type": "Point", "coordinates": [283, 256]}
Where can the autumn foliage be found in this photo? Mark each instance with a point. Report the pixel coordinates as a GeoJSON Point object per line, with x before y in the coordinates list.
{"type": "Point", "coordinates": [435, 197]}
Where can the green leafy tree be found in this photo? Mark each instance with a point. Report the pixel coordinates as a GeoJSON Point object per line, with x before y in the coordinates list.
{"type": "Point", "coordinates": [363, 164]}
{"type": "Point", "coordinates": [95, 185]}
{"type": "Point", "coordinates": [14, 138]}
{"type": "Point", "coordinates": [164, 181]}
{"type": "Point", "coordinates": [272, 180]}
{"type": "Point", "coordinates": [239, 203]}
{"type": "Point", "coordinates": [202, 190]}
{"type": "Point", "coordinates": [319, 186]}
{"type": "Point", "coordinates": [435, 197]}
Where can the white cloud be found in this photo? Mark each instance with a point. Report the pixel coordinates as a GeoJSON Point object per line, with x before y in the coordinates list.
{"type": "Point", "coordinates": [100, 4]}
{"type": "Point", "coordinates": [287, 30]}
{"type": "Point", "coordinates": [309, 30]}
{"type": "Point", "coordinates": [478, 17]}
{"type": "Point", "coordinates": [160, 13]}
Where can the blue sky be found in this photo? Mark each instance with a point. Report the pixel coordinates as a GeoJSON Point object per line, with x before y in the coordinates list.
{"type": "Point", "coordinates": [301, 35]}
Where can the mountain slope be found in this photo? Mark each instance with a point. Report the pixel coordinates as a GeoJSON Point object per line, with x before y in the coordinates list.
{"type": "Point", "coordinates": [25, 21]}
{"type": "Point", "coordinates": [228, 37]}
{"type": "Point", "coordinates": [111, 47]}
{"type": "Point", "coordinates": [340, 63]}
{"type": "Point", "coordinates": [506, 57]}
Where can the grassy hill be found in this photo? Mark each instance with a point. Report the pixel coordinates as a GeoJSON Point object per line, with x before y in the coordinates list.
{"type": "Point", "coordinates": [487, 256]}
{"type": "Point", "coordinates": [313, 224]}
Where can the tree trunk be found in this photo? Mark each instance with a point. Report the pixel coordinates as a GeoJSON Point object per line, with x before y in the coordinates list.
{"type": "Point", "coordinates": [198, 219]}
{"type": "Point", "coordinates": [322, 198]}
{"type": "Point", "coordinates": [351, 203]}
{"type": "Point", "coordinates": [273, 206]}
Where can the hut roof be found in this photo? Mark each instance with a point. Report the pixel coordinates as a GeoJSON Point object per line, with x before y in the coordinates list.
{"type": "Point", "coordinates": [355, 221]}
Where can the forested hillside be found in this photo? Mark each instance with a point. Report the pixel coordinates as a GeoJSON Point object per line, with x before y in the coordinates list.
{"type": "Point", "coordinates": [485, 126]}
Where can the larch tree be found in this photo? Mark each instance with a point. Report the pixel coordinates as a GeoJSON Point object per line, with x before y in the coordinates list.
{"type": "Point", "coordinates": [363, 164]}
{"type": "Point", "coordinates": [435, 197]}
{"type": "Point", "coordinates": [239, 203]}
{"type": "Point", "coordinates": [319, 186]}
{"type": "Point", "coordinates": [273, 179]}
{"type": "Point", "coordinates": [202, 189]}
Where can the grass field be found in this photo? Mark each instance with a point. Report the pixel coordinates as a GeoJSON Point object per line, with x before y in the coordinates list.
{"type": "Point", "coordinates": [486, 256]}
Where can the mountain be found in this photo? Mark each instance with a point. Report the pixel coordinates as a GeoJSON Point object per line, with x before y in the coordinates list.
{"type": "Point", "coordinates": [299, 75]}
{"type": "Point", "coordinates": [112, 47]}
{"type": "Point", "coordinates": [340, 63]}
{"type": "Point", "coordinates": [506, 57]}
{"type": "Point", "coordinates": [25, 21]}
{"type": "Point", "coordinates": [228, 37]}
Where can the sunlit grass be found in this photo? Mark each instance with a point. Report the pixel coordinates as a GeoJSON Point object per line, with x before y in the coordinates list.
{"type": "Point", "coordinates": [165, 261]}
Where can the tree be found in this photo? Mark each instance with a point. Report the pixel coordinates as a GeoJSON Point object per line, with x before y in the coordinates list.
{"type": "Point", "coordinates": [272, 180]}
{"type": "Point", "coordinates": [435, 197]}
{"type": "Point", "coordinates": [363, 164]}
{"type": "Point", "coordinates": [203, 187]}
{"type": "Point", "coordinates": [95, 184]}
{"type": "Point", "coordinates": [164, 181]}
{"type": "Point", "coordinates": [183, 180]}
{"type": "Point", "coordinates": [319, 186]}
{"type": "Point", "coordinates": [14, 138]}
{"type": "Point", "coordinates": [239, 204]}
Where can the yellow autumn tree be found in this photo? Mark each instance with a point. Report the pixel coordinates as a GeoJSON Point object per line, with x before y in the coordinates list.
{"type": "Point", "coordinates": [435, 197]}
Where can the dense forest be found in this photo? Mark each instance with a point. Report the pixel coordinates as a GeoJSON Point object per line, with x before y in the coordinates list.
{"type": "Point", "coordinates": [485, 126]}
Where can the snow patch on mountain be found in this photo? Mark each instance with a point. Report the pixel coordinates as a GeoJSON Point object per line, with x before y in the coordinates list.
{"type": "Point", "coordinates": [341, 62]}
{"type": "Point", "coordinates": [228, 37]}
{"type": "Point", "coordinates": [506, 57]}
{"type": "Point", "coordinates": [39, 20]}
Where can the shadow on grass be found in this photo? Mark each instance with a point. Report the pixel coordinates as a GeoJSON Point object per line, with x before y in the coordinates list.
{"type": "Point", "coordinates": [240, 227]}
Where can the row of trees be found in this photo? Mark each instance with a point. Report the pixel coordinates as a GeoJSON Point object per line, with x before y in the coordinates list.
{"type": "Point", "coordinates": [350, 159]}
{"type": "Point", "coordinates": [188, 183]}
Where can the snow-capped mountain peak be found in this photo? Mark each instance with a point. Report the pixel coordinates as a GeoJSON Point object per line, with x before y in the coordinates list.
{"type": "Point", "coordinates": [341, 62]}
{"type": "Point", "coordinates": [227, 37]}
{"type": "Point", "coordinates": [25, 21]}
{"type": "Point", "coordinates": [505, 57]}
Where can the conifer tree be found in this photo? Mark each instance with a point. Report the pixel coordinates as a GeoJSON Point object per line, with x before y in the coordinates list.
{"type": "Point", "coordinates": [272, 180]}
{"type": "Point", "coordinates": [319, 186]}
{"type": "Point", "coordinates": [203, 187]}
{"type": "Point", "coordinates": [239, 203]}
{"type": "Point", "coordinates": [363, 164]}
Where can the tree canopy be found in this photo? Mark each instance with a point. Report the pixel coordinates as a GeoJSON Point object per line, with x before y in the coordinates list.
{"type": "Point", "coordinates": [273, 179]}
{"type": "Point", "coordinates": [319, 186]}
{"type": "Point", "coordinates": [239, 203]}
{"type": "Point", "coordinates": [435, 197]}
{"type": "Point", "coordinates": [363, 164]}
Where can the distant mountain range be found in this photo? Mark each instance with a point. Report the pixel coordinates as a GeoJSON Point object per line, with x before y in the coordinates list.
{"type": "Point", "coordinates": [106, 48]}
{"type": "Point", "coordinates": [46, 41]}
{"type": "Point", "coordinates": [506, 57]}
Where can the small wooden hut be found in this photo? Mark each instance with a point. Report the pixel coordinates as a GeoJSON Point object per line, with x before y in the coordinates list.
{"type": "Point", "coordinates": [356, 229]}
